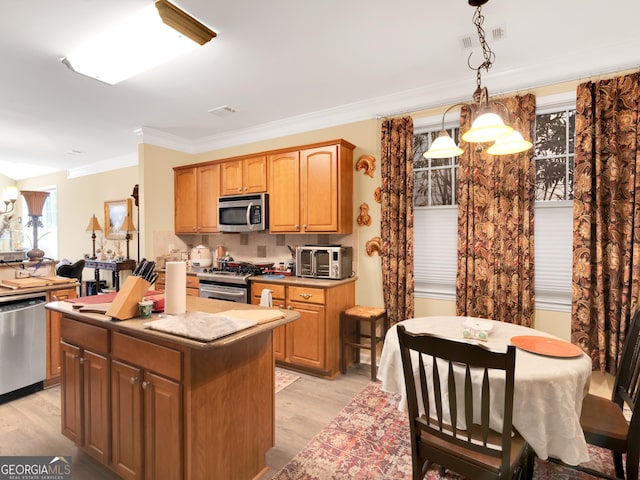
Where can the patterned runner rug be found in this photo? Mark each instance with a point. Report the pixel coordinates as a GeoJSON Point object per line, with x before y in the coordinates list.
{"type": "Point", "coordinates": [284, 379]}
{"type": "Point", "coordinates": [369, 439]}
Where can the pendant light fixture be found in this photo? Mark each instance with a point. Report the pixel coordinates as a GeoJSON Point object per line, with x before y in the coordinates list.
{"type": "Point", "coordinates": [488, 126]}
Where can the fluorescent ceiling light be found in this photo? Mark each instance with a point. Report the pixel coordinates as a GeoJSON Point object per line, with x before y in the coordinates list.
{"type": "Point", "coordinates": [139, 43]}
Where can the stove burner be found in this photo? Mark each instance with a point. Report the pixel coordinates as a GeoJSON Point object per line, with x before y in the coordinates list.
{"type": "Point", "coordinates": [236, 273]}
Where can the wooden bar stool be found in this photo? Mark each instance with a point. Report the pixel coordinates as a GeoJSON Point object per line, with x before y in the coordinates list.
{"type": "Point", "coordinates": [350, 337]}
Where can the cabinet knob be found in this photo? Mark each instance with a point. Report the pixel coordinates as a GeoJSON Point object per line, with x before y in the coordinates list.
{"type": "Point", "coordinates": [81, 360]}
{"type": "Point", "coordinates": [145, 385]}
{"type": "Point", "coordinates": [304, 227]}
{"type": "Point", "coordinates": [134, 380]}
{"type": "Point", "coordinates": [297, 226]}
{"type": "Point", "coordinates": [240, 189]}
{"type": "Point", "coordinates": [289, 307]}
{"type": "Point", "coordinates": [306, 296]}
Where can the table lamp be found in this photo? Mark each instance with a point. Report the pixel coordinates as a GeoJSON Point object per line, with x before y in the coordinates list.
{"type": "Point", "coordinates": [128, 226]}
{"type": "Point", "coordinates": [92, 227]}
{"type": "Point", "coordinates": [35, 204]}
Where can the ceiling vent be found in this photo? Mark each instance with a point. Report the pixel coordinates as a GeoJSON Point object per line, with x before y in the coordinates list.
{"type": "Point", "coordinates": [470, 41]}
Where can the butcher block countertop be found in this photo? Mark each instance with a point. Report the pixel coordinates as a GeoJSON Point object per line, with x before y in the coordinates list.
{"type": "Point", "coordinates": [6, 291]}
{"type": "Point", "coordinates": [136, 326]}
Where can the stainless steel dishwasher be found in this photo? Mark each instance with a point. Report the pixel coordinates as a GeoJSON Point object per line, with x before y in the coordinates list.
{"type": "Point", "coordinates": [22, 344]}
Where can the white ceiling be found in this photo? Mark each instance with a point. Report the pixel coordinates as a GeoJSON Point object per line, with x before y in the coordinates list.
{"type": "Point", "coordinates": [284, 65]}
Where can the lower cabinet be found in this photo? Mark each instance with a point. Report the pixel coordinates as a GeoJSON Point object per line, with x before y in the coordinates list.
{"type": "Point", "coordinates": [193, 284]}
{"type": "Point", "coordinates": [116, 403]}
{"type": "Point", "coordinates": [53, 335]}
{"type": "Point", "coordinates": [312, 342]}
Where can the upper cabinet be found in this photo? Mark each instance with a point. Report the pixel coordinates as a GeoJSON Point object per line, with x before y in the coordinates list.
{"type": "Point", "coordinates": [196, 192]}
{"type": "Point", "coordinates": [311, 190]}
{"type": "Point", "coordinates": [248, 175]}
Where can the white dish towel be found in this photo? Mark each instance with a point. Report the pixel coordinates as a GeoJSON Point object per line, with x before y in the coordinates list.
{"type": "Point", "coordinates": [266, 298]}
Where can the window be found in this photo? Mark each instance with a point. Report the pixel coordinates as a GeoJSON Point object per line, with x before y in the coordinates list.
{"type": "Point", "coordinates": [436, 213]}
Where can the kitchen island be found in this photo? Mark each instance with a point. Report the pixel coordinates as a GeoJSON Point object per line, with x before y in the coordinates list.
{"type": "Point", "coordinates": [152, 405]}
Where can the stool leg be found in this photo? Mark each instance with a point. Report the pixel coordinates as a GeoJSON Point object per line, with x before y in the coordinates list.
{"type": "Point", "coordinates": [357, 340]}
{"type": "Point", "coordinates": [374, 343]}
{"type": "Point", "coordinates": [343, 347]}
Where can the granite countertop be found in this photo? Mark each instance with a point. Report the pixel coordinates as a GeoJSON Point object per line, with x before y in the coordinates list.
{"type": "Point", "coordinates": [135, 326]}
{"type": "Point", "coordinates": [302, 281]}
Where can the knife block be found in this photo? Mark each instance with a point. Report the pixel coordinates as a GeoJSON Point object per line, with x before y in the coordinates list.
{"type": "Point", "coordinates": [125, 304]}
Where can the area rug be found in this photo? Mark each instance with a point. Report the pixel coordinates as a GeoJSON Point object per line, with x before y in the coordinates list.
{"type": "Point", "coordinates": [369, 439]}
{"type": "Point", "coordinates": [284, 379]}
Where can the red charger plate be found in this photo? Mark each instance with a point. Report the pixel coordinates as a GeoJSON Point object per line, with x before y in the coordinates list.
{"type": "Point", "coordinates": [551, 347]}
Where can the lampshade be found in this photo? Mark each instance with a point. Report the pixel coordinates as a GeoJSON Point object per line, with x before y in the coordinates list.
{"type": "Point", "coordinates": [443, 147]}
{"type": "Point", "coordinates": [513, 143]}
{"type": "Point", "coordinates": [127, 225]}
{"type": "Point", "coordinates": [93, 224]}
{"type": "Point", "coordinates": [35, 201]}
{"type": "Point", "coordinates": [488, 127]}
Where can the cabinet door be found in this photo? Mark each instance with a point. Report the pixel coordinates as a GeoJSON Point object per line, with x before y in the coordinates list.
{"type": "Point", "coordinates": [231, 177]}
{"type": "Point", "coordinates": [126, 401]}
{"type": "Point", "coordinates": [162, 428]}
{"type": "Point", "coordinates": [319, 189]}
{"type": "Point", "coordinates": [284, 192]}
{"type": "Point", "coordinates": [97, 419]}
{"type": "Point", "coordinates": [254, 175]}
{"type": "Point", "coordinates": [71, 393]}
{"type": "Point", "coordinates": [305, 337]}
{"type": "Point", "coordinates": [279, 336]}
{"type": "Point", "coordinates": [186, 201]}
{"type": "Point", "coordinates": [208, 193]}
{"type": "Point", "coordinates": [53, 332]}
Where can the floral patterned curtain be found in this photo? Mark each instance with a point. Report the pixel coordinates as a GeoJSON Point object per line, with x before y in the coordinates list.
{"type": "Point", "coordinates": [606, 217]}
{"type": "Point", "coordinates": [397, 218]}
{"type": "Point", "coordinates": [495, 225]}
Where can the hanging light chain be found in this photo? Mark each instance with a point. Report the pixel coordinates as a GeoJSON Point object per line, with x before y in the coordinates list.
{"type": "Point", "coordinates": [487, 53]}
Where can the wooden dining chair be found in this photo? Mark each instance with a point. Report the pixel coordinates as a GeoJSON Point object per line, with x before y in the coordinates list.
{"type": "Point", "coordinates": [448, 393]}
{"type": "Point", "coordinates": [603, 421]}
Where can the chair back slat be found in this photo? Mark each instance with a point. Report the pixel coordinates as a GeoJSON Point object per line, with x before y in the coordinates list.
{"type": "Point", "coordinates": [457, 381]}
{"type": "Point", "coordinates": [627, 384]}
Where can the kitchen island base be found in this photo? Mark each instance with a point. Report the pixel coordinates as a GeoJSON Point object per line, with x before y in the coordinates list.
{"type": "Point", "coordinates": [152, 405]}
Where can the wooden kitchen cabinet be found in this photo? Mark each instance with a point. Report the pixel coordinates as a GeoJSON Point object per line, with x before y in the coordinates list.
{"type": "Point", "coordinates": [196, 192]}
{"type": "Point", "coordinates": [311, 190]}
{"type": "Point", "coordinates": [147, 410]}
{"type": "Point", "coordinates": [53, 335]}
{"type": "Point", "coordinates": [84, 389]}
{"type": "Point", "coordinates": [278, 301]}
{"type": "Point", "coordinates": [310, 343]}
{"type": "Point", "coordinates": [247, 175]}
{"type": "Point", "coordinates": [193, 284]}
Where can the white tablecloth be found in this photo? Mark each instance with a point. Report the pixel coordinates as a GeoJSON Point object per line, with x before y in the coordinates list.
{"type": "Point", "coordinates": [548, 390]}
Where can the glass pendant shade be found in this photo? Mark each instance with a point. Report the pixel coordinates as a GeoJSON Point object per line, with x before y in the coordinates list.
{"type": "Point", "coordinates": [488, 127]}
{"type": "Point", "coordinates": [513, 143]}
{"type": "Point", "coordinates": [443, 147]}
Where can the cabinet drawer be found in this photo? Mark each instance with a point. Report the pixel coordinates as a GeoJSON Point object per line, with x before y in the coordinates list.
{"type": "Point", "coordinates": [257, 287]}
{"type": "Point", "coordinates": [193, 281]}
{"type": "Point", "coordinates": [306, 294]}
{"type": "Point", "coordinates": [149, 356]}
{"type": "Point", "coordinates": [85, 335]}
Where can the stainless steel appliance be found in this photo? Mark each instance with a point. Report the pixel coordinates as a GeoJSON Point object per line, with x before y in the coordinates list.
{"type": "Point", "coordinates": [225, 285]}
{"type": "Point", "coordinates": [324, 261]}
{"type": "Point", "coordinates": [243, 213]}
{"type": "Point", "coordinates": [22, 344]}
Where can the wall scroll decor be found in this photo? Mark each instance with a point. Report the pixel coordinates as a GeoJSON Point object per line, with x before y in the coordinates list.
{"type": "Point", "coordinates": [366, 163]}
{"type": "Point", "coordinates": [114, 213]}
{"type": "Point", "coordinates": [364, 218]}
{"type": "Point", "coordinates": [373, 246]}
{"type": "Point", "coordinates": [377, 195]}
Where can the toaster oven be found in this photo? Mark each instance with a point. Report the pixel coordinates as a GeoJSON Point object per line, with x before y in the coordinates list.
{"type": "Point", "coordinates": [324, 261]}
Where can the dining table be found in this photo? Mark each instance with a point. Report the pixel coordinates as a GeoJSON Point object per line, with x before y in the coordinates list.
{"type": "Point", "coordinates": [551, 379]}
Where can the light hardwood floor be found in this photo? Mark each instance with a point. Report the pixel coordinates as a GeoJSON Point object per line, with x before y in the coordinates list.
{"type": "Point", "coordinates": [31, 425]}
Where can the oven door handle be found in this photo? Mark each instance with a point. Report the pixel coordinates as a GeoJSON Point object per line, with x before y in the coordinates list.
{"type": "Point", "coordinates": [222, 292]}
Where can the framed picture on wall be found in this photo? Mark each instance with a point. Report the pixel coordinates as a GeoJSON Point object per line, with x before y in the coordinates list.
{"type": "Point", "coordinates": [114, 213]}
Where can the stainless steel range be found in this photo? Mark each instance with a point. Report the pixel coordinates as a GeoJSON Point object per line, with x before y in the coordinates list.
{"type": "Point", "coordinates": [230, 284]}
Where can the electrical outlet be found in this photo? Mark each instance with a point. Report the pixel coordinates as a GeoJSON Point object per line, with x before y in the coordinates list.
{"type": "Point", "coordinates": [22, 274]}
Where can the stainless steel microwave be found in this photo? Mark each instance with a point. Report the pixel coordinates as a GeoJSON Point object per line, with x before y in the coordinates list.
{"type": "Point", "coordinates": [243, 213]}
{"type": "Point", "coordinates": [324, 261]}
